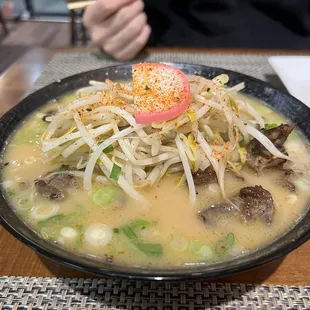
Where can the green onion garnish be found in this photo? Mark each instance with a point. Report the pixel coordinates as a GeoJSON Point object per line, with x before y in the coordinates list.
{"type": "Point", "coordinates": [230, 239]}
{"type": "Point", "coordinates": [79, 240]}
{"type": "Point", "coordinates": [131, 235]}
{"type": "Point", "coordinates": [103, 197]}
{"type": "Point", "coordinates": [52, 220]}
{"type": "Point", "coordinates": [139, 224]}
{"type": "Point", "coordinates": [116, 172]}
{"type": "Point", "coordinates": [270, 126]}
{"type": "Point", "coordinates": [150, 249]}
{"type": "Point", "coordinates": [108, 149]}
{"type": "Point", "coordinates": [221, 247]}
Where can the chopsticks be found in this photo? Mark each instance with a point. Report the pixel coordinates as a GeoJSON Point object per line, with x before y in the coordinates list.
{"type": "Point", "coordinates": [75, 5]}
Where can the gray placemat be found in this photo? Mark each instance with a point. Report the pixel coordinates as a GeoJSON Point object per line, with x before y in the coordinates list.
{"type": "Point", "coordinates": [66, 64]}
{"type": "Point", "coordinates": [58, 293]}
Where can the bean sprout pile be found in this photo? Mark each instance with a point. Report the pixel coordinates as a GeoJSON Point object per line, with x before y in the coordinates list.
{"type": "Point", "coordinates": [98, 136]}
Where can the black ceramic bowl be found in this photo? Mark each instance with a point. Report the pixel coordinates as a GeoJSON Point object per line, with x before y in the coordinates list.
{"type": "Point", "coordinates": [280, 101]}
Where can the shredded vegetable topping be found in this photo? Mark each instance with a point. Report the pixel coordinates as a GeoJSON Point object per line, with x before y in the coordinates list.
{"type": "Point", "coordinates": [98, 134]}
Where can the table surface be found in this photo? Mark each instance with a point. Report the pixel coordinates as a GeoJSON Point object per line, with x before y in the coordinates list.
{"type": "Point", "coordinates": [16, 259]}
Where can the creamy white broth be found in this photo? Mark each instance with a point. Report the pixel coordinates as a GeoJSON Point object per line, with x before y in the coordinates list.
{"type": "Point", "coordinates": [174, 223]}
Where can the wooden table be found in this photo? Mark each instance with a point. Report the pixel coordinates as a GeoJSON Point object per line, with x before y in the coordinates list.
{"type": "Point", "coordinates": [18, 260]}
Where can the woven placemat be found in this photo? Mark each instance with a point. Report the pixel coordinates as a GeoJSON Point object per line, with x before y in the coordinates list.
{"type": "Point", "coordinates": [58, 293]}
{"type": "Point", "coordinates": [66, 64]}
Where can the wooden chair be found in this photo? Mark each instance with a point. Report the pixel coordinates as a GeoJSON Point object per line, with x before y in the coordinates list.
{"type": "Point", "coordinates": [76, 9]}
{"type": "Point", "coordinates": [3, 23]}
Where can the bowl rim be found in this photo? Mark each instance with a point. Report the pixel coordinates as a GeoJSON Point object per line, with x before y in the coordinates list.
{"type": "Point", "coordinates": [137, 273]}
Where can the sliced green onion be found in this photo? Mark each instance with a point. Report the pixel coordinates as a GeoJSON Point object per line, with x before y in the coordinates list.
{"type": "Point", "coordinates": [60, 170]}
{"type": "Point", "coordinates": [49, 228]}
{"type": "Point", "coordinates": [139, 224]}
{"type": "Point", "coordinates": [32, 135]}
{"type": "Point", "coordinates": [79, 241]}
{"type": "Point", "coordinates": [52, 220]}
{"type": "Point", "coordinates": [270, 126]}
{"type": "Point", "coordinates": [234, 167]}
{"type": "Point", "coordinates": [150, 249]}
{"type": "Point", "coordinates": [200, 250]}
{"type": "Point", "coordinates": [105, 196]}
{"type": "Point", "coordinates": [205, 253]}
{"type": "Point", "coordinates": [221, 247]}
{"type": "Point", "coordinates": [116, 230]}
{"type": "Point", "coordinates": [243, 154]}
{"type": "Point", "coordinates": [178, 244]}
{"type": "Point", "coordinates": [108, 149]}
{"type": "Point", "coordinates": [230, 239]}
{"type": "Point", "coordinates": [116, 172]}
{"type": "Point", "coordinates": [195, 246]}
{"type": "Point", "coordinates": [130, 233]}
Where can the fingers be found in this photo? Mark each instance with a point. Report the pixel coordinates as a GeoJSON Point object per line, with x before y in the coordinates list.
{"type": "Point", "coordinates": [131, 50]}
{"type": "Point", "coordinates": [116, 22]}
{"type": "Point", "coordinates": [118, 26]}
{"type": "Point", "coordinates": [126, 35]}
{"type": "Point", "coordinates": [102, 9]}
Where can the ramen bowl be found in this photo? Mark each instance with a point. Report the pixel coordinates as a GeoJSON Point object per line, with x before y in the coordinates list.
{"type": "Point", "coordinates": [279, 100]}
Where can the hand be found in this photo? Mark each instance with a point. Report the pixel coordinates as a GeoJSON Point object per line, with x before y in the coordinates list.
{"type": "Point", "coordinates": [119, 27]}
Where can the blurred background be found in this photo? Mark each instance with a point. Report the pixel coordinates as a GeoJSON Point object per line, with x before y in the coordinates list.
{"type": "Point", "coordinates": [35, 22]}
{"type": "Point", "coordinates": [225, 24]}
{"type": "Point", "coordinates": [40, 7]}
{"type": "Point", "coordinates": [25, 24]}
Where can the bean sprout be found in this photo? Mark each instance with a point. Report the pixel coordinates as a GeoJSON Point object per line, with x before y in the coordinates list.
{"type": "Point", "coordinates": [98, 130]}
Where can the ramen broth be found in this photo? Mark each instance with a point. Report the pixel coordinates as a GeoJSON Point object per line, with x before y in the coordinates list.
{"type": "Point", "coordinates": [164, 218]}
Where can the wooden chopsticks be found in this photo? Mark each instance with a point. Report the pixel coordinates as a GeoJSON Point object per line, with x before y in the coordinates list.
{"type": "Point", "coordinates": [75, 5]}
